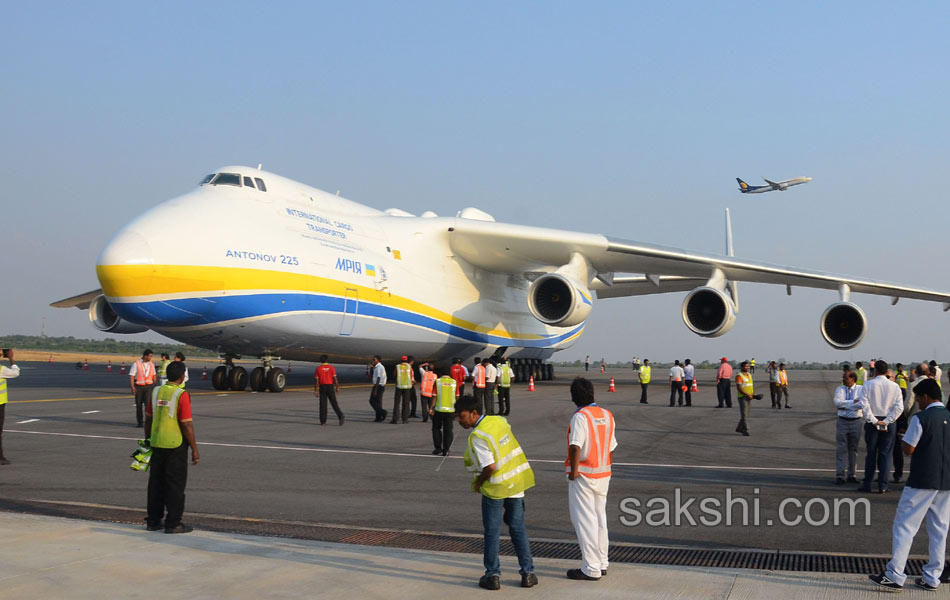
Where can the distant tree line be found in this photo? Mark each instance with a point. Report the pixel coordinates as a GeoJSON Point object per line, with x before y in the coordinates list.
{"type": "Point", "coordinates": [106, 346]}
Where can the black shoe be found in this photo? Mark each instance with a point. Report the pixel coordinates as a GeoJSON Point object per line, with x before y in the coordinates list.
{"type": "Point", "coordinates": [603, 572]}
{"type": "Point", "coordinates": [180, 528]}
{"type": "Point", "coordinates": [852, 479]}
{"type": "Point", "coordinates": [839, 480]}
{"type": "Point", "coordinates": [945, 576]}
{"type": "Point", "coordinates": [436, 452]}
{"type": "Point", "coordinates": [154, 527]}
{"type": "Point", "coordinates": [897, 478]}
{"type": "Point", "coordinates": [413, 416]}
{"type": "Point", "coordinates": [4, 461]}
{"type": "Point", "coordinates": [746, 433]}
{"type": "Point", "coordinates": [445, 453]}
{"type": "Point", "coordinates": [882, 490]}
{"type": "Point", "coordinates": [919, 582]}
{"type": "Point", "coordinates": [385, 414]}
{"type": "Point", "coordinates": [787, 406]}
{"type": "Point", "coordinates": [720, 406]}
{"type": "Point", "coordinates": [579, 575]}
{"type": "Point", "coordinates": [324, 423]}
{"type": "Point", "coordinates": [884, 582]}
{"type": "Point", "coordinates": [341, 420]}
{"type": "Point", "coordinates": [394, 422]}
{"type": "Point", "coordinates": [529, 580]}
{"type": "Point", "coordinates": [490, 582]}
{"type": "Point", "coordinates": [643, 402]}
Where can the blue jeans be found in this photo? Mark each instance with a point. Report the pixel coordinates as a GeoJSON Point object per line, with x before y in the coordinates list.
{"type": "Point", "coordinates": [880, 447]}
{"type": "Point", "coordinates": [513, 509]}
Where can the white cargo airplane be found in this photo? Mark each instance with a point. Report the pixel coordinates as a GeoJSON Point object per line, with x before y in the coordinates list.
{"type": "Point", "coordinates": [253, 264]}
{"type": "Point", "coordinates": [772, 186]}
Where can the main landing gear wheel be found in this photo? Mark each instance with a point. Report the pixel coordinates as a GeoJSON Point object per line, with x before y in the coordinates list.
{"type": "Point", "coordinates": [259, 380]}
{"type": "Point", "coordinates": [238, 379]}
{"type": "Point", "coordinates": [219, 378]}
{"type": "Point", "coordinates": [276, 380]}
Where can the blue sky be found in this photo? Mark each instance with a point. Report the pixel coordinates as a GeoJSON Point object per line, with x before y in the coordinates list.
{"type": "Point", "coordinates": [628, 119]}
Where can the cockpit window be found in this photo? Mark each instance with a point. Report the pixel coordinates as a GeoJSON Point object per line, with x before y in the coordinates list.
{"type": "Point", "coordinates": [248, 182]}
{"type": "Point", "coordinates": [207, 179]}
{"type": "Point", "coordinates": [260, 184]}
{"type": "Point", "coordinates": [227, 179]}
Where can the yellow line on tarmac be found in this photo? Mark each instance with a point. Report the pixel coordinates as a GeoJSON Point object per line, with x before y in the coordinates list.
{"type": "Point", "coordinates": [215, 392]}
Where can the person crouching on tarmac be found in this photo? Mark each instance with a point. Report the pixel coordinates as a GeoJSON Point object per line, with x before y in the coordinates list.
{"type": "Point", "coordinates": [168, 427]}
{"type": "Point", "coordinates": [501, 475]}
{"type": "Point", "coordinates": [442, 412]}
{"type": "Point", "coordinates": [590, 450]}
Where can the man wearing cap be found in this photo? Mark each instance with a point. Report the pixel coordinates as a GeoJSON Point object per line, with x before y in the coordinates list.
{"type": "Point", "coordinates": [327, 387]}
{"type": "Point", "coordinates": [501, 475]}
{"type": "Point", "coordinates": [724, 384]}
{"type": "Point", "coordinates": [676, 383]}
{"type": "Point", "coordinates": [403, 385]}
{"type": "Point", "coordinates": [142, 380]}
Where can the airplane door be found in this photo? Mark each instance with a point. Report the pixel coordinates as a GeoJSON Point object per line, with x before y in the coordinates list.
{"type": "Point", "coordinates": [351, 304]}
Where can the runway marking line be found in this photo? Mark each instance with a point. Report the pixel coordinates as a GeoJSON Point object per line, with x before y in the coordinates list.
{"type": "Point", "coordinates": [27, 421]}
{"type": "Point", "coordinates": [215, 392]}
{"type": "Point", "coordinates": [430, 456]}
{"type": "Point", "coordinates": [89, 412]}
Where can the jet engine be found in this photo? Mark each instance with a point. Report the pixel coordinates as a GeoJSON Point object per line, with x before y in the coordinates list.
{"type": "Point", "coordinates": [103, 317]}
{"type": "Point", "coordinates": [709, 311]}
{"type": "Point", "coordinates": [555, 299]}
{"type": "Point", "coordinates": [843, 325]}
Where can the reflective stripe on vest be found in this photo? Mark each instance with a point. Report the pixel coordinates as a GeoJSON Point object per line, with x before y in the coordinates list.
{"type": "Point", "coordinates": [166, 433]}
{"type": "Point", "coordinates": [445, 395]}
{"type": "Point", "coordinates": [745, 385]}
{"type": "Point", "coordinates": [645, 374]}
{"type": "Point", "coordinates": [600, 430]}
{"type": "Point", "coordinates": [403, 376]}
{"type": "Point", "coordinates": [504, 375]}
{"type": "Point", "coordinates": [144, 372]}
{"type": "Point", "coordinates": [479, 376]}
{"type": "Point", "coordinates": [512, 474]}
{"type": "Point", "coordinates": [428, 381]}
{"type": "Point", "coordinates": [3, 391]}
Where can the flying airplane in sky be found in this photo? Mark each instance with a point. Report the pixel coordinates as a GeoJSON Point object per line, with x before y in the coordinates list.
{"type": "Point", "coordinates": [250, 263]}
{"type": "Point", "coordinates": [772, 186]}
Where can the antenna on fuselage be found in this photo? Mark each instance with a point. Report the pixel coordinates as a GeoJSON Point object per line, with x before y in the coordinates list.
{"type": "Point", "coordinates": [259, 165]}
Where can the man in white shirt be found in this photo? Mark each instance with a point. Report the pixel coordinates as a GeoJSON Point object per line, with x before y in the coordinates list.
{"type": "Point", "coordinates": [6, 373]}
{"type": "Point", "coordinates": [491, 382]}
{"type": "Point", "coordinates": [850, 422]}
{"type": "Point", "coordinates": [882, 402]}
{"type": "Point", "coordinates": [676, 383]}
{"type": "Point", "coordinates": [591, 444]}
{"type": "Point", "coordinates": [376, 394]}
{"type": "Point", "coordinates": [689, 373]}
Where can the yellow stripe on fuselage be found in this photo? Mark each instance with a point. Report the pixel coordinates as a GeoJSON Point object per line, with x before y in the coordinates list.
{"type": "Point", "coordinates": [141, 281]}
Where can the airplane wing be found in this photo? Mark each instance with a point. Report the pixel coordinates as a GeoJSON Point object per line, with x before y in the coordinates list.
{"type": "Point", "coordinates": [82, 301]}
{"type": "Point", "coordinates": [774, 184]}
{"type": "Point", "coordinates": [506, 248]}
{"type": "Point", "coordinates": [644, 286]}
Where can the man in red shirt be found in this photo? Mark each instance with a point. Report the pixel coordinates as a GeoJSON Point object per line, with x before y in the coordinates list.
{"type": "Point", "coordinates": [724, 383]}
{"type": "Point", "coordinates": [327, 385]}
{"type": "Point", "coordinates": [170, 432]}
{"type": "Point", "coordinates": [457, 372]}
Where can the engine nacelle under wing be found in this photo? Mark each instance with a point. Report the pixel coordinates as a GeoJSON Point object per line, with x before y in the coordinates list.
{"type": "Point", "coordinates": [709, 311]}
{"type": "Point", "coordinates": [843, 325]}
{"type": "Point", "coordinates": [557, 300]}
{"type": "Point", "coordinates": [103, 317]}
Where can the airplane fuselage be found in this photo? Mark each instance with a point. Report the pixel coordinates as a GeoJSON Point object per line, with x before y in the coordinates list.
{"type": "Point", "coordinates": [296, 272]}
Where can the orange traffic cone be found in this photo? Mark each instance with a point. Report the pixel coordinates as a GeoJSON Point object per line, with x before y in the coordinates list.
{"type": "Point", "coordinates": [85, 366]}
{"type": "Point", "coordinates": [695, 387]}
{"type": "Point", "coordinates": [531, 383]}
{"type": "Point", "coordinates": [204, 373]}
{"type": "Point", "coordinates": [122, 370]}
{"type": "Point", "coordinates": [109, 367]}
{"type": "Point", "coordinates": [51, 359]}
{"type": "Point", "coordinates": [601, 369]}
{"type": "Point", "coordinates": [612, 387]}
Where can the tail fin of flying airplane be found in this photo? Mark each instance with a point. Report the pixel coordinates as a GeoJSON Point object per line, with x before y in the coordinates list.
{"type": "Point", "coordinates": [743, 186]}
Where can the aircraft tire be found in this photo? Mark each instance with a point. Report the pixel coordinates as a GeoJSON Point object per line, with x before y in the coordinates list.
{"type": "Point", "coordinates": [238, 379]}
{"type": "Point", "coordinates": [259, 379]}
{"type": "Point", "coordinates": [549, 368]}
{"type": "Point", "coordinates": [276, 380]}
{"type": "Point", "coordinates": [219, 378]}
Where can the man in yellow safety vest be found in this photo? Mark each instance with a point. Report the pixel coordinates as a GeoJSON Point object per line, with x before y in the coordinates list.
{"type": "Point", "coordinates": [644, 376]}
{"type": "Point", "coordinates": [505, 375]}
{"type": "Point", "coordinates": [443, 414]}
{"type": "Point", "coordinates": [6, 373]}
{"type": "Point", "coordinates": [501, 475]}
{"type": "Point", "coordinates": [746, 394]}
{"type": "Point", "coordinates": [403, 386]}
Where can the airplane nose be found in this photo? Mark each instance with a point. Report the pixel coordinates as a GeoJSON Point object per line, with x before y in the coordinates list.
{"type": "Point", "coordinates": [121, 262]}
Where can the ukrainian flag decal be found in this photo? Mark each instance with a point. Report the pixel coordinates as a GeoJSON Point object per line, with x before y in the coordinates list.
{"type": "Point", "coordinates": [370, 270]}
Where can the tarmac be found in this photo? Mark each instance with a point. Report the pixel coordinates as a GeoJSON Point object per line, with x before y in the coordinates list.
{"type": "Point", "coordinates": [49, 557]}
{"type": "Point", "coordinates": [274, 492]}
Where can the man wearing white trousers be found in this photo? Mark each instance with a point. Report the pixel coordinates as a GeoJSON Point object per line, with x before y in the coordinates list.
{"type": "Point", "coordinates": [590, 450]}
{"type": "Point", "coordinates": [927, 493]}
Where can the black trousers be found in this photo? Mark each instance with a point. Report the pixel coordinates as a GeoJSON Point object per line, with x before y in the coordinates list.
{"type": "Point", "coordinates": [143, 395]}
{"type": "Point", "coordinates": [676, 387]}
{"type": "Point", "coordinates": [724, 393]}
{"type": "Point", "coordinates": [898, 453]}
{"type": "Point", "coordinates": [412, 401]}
{"type": "Point", "coordinates": [167, 475]}
{"type": "Point", "coordinates": [427, 402]}
{"type": "Point", "coordinates": [442, 435]}
{"type": "Point", "coordinates": [402, 396]}
{"type": "Point", "coordinates": [487, 400]}
{"type": "Point", "coordinates": [328, 392]}
{"type": "Point", "coordinates": [504, 400]}
{"type": "Point", "coordinates": [376, 401]}
{"type": "Point", "coordinates": [643, 392]}
{"type": "Point", "coordinates": [689, 394]}
{"type": "Point", "coordinates": [3, 410]}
